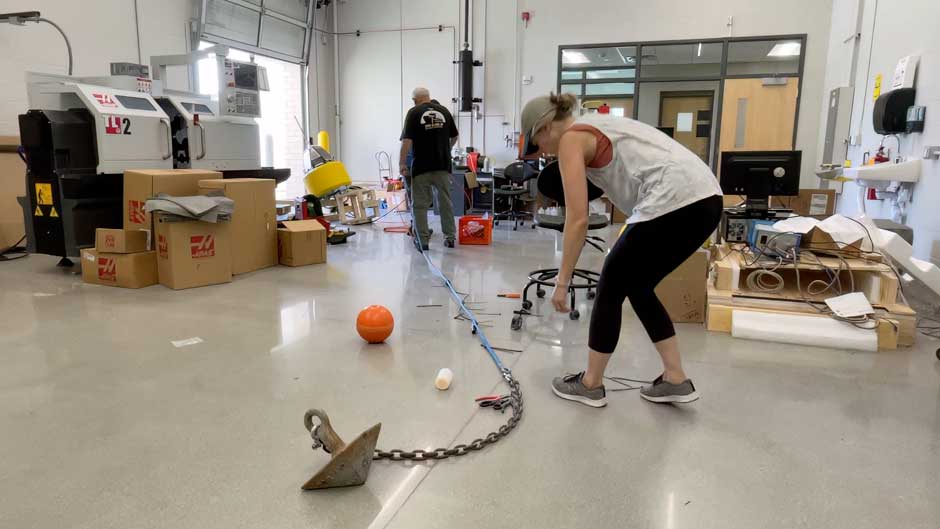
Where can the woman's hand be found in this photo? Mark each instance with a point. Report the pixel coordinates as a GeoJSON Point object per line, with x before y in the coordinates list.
{"type": "Point", "coordinates": [560, 298]}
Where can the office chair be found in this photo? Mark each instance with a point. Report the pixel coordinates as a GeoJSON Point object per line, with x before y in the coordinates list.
{"type": "Point", "coordinates": [550, 185]}
{"type": "Point", "coordinates": [517, 174]}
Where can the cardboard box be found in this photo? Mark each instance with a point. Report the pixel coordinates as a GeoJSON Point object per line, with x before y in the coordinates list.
{"type": "Point", "coordinates": [616, 216]}
{"type": "Point", "coordinates": [127, 270]}
{"type": "Point", "coordinates": [253, 228]}
{"type": "Point", "coordinates": [192, 253]}
{"type": "Point", "coordinates": [683, 292]}
{"type": "Point", "coordinates": [12, 185]}
{"type": "Point", "coordinates": [818, 239]}
{"type": "Point", "coordinates": [141, 184]}
{"type": "Point", "coordinates": [109, 240]}
{"type": "Point", "coordinates": [809, 203]}
{"type": "Point", "coordinates": [301, 242]}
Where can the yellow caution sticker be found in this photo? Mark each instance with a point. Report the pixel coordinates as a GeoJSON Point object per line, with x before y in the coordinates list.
{"type": "Point", "coordinates": [53, 212]}
{"type": "Point", "coordinates": [876, 92]}
{"type": "Point", "coordinates": [44, 194]}
{"type": "Point", "coordinates": [38, 212]}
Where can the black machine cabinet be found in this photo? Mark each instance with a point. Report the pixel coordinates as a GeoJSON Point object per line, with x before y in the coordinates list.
{"type": "Point", "coordinates": [65, 199]}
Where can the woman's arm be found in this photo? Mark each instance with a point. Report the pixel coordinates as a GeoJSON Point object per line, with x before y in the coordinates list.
{"type": "Point", "coordinates": [575, 147]}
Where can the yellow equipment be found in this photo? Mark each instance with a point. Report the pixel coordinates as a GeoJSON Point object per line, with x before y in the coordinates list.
{"type": "Point", "coordinates": [327, 179]}
{"type": "Point", "coordinates": [327, 176]}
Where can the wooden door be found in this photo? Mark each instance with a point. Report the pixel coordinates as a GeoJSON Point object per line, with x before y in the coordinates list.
{"type": "Point", "coordinates": [689, 116]}
{"type": "Point", "coordinates": [758, 115]}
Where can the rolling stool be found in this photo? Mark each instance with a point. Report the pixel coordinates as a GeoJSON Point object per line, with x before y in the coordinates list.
{"type": "Point", "coordinates": [549, 183]}
{"type": "Point", "coordinates": [517, 173]}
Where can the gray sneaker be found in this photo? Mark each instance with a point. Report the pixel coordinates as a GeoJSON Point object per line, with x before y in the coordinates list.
{"type": "Point", "coordinates": [664, 392]}
{"type": "Point", "coordinates": [570, 387]}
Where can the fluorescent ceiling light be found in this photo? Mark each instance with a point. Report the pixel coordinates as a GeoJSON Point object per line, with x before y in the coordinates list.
{"type": "Point", "coordinates": [785, 49]}
{"type": "Point", "coordinates": [699, 49]}
{"type": "Point", "coordinates": [574, 57]}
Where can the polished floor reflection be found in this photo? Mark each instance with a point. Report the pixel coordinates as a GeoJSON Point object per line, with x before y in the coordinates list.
{"type": "Point", "coordinates": [105, 423]}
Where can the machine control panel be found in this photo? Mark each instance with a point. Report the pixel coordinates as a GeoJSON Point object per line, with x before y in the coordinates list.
{"type": "Point", "coordinates": [240, 86]}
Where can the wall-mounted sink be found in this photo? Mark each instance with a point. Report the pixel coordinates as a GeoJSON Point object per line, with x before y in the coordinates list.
{"type": "Point", "coordinates": [908, 171]}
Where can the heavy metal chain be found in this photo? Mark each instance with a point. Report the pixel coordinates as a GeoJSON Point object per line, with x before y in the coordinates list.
{"type": "Point", "coordinates": [515, 400]}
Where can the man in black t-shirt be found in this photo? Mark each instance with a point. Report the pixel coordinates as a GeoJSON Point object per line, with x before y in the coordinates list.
{"type": "Point", "coordinates": [431, 132]}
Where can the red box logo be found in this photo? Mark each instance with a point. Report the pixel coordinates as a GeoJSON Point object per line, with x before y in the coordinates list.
{"type": "Point", "coordinates": [112, 125]}
{"type": "Point", "coordinates": [107, 269]}
{"type": "Point", "coordinates": [202, 246]}
{"type": "Point", "coordinates": [109, 241]}
{"type": "Point", "coordinates": [135, 212]}
{"type": "Point", "coordinates": [162, 246]}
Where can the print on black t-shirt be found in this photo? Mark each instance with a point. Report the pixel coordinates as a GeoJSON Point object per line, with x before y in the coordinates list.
{"type": "Point", "coordinates": [430, 127]}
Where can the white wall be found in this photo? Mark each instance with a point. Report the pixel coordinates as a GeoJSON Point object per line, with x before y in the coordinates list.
{"type": "Point", "coordinates": [101, 32]}
{"type": "Point", "coordinates": [553, 22]}
{"type": "Point", "coordinates": [901, 28]}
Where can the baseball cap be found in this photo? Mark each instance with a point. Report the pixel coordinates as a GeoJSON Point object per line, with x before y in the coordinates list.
{"type": "Point", "coordinates": [533, 112]}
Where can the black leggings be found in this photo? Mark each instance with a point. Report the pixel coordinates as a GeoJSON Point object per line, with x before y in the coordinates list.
{"type": "Point", "coordinates": [642, 257]}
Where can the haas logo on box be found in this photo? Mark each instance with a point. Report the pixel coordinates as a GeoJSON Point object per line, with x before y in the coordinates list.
{"type": "Point", "coordinates": [202, 246]}
{"type": "Point", "coordinates": [135, 212]}
{"type": "Point", "coordinates": [107, 270]}
{"type": "Point", "coordinates": [109, 241]}
{"type": "Point", "coordinates": [162, 247]}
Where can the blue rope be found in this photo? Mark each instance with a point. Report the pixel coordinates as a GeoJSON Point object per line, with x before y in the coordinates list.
{"type": "Point", "coordinates": [474, 323]}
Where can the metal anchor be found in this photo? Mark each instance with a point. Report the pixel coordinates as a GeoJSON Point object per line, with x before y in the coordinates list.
{"type": "Point", "coordinates": [349, 463]}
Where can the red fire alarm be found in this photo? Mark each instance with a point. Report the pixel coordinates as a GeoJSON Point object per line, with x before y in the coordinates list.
{"type": "Point", "coordinates": [525, 17]}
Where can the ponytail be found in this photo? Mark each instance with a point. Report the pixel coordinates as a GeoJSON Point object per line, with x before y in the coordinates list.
{"type": "Point", "coordinates": [563, 105]}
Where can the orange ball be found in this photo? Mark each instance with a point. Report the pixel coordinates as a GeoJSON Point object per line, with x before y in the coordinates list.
{"type": "Point", "coordinates": [375, 323]}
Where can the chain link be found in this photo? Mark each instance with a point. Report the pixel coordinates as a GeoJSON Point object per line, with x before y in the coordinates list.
{"type": "Point", "coordinates": [515, 401]}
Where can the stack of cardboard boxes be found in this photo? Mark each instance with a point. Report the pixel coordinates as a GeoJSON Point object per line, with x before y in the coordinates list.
{"type": "Point", "coordinates": [193, 253]}
{"type": "Point", "coordinates": [120, 258]}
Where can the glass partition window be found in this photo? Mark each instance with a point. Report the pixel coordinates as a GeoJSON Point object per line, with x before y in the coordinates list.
{"type": "Point", "coordinates": [609, 89]}
{"type": "Point", "coordinates": [758, 57]}
{"type": "Point", "coordinates": [682, 60]}
{"type": "Point", "coordinates": [598, 71]}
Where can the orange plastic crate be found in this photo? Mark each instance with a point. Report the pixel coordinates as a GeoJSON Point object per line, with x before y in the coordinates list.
{"type": "Point", "coordinates": [474, 229]}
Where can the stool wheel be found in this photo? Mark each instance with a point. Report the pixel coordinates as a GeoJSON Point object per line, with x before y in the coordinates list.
{"type": "Point", "coordinates": [574, 314]}
{"type": "Point", "coordinates": [540, 293]}
{"type": "Point", "coordinates": [591, 294]}
{"type": "Point", "coordinates": [526, 305]}
{"type": "Point", "coordinates": [516, 323]}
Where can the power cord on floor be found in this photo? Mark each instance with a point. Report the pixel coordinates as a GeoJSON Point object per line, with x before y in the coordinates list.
{"type": "Point", "coordinates": [14, 252]}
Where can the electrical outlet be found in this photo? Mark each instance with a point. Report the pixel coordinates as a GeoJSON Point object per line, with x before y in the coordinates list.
{"type": "Point", "coordinates": [526, 79]}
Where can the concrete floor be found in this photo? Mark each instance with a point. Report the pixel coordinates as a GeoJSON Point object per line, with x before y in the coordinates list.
{"type": "Point", "coordinates": [104, 423]}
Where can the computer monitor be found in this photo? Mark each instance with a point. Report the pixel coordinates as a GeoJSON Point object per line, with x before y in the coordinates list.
{"type": "Point", "coordinates": [759, 175]}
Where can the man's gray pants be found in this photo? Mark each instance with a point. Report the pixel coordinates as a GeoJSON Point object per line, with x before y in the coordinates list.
{"type": "Point", "coordinates": [422, 199]}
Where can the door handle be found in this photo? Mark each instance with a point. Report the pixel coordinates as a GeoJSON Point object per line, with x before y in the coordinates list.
{"type": "Point", "coordinates": [202, 140]}
{"type": "Point", "coordinates": [169, 140]}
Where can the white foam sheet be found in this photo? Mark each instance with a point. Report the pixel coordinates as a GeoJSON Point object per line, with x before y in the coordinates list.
{"type": "Point", "coordinates": [801, 330]}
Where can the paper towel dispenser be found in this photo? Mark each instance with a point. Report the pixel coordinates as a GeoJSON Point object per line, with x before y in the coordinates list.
{"type": "Point", "coordinates": [890, 114]}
